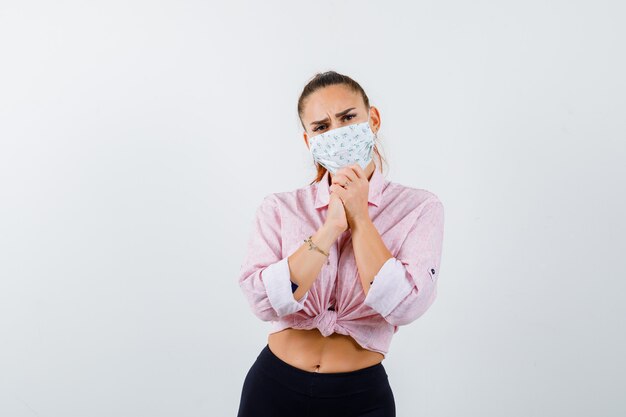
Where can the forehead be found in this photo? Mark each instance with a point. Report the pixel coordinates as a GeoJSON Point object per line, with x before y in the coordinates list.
{"type": "Point", "coordinates": [330, 100]}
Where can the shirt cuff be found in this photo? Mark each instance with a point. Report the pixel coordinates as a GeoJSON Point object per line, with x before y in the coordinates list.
{"type": "Point", "coordinates": [391, 286]}
{"type": "Point", "coordinates": [277, 280]}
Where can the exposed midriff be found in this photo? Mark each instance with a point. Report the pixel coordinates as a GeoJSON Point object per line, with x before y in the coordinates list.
{"type": "Point", "coordinates": [309, 350]}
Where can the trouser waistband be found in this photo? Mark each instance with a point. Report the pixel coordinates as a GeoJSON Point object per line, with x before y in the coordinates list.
{"type": "Point", "coordinates": [334, 384]}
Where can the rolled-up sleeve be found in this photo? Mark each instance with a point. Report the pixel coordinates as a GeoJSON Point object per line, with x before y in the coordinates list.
{"type": "Point", "coordinates": [406, 285]}
{"type": "Point", "coordinates": [265, 277]}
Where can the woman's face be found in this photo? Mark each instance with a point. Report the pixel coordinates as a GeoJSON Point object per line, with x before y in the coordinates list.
{"type": "Point", "coordinates": [335, 106]}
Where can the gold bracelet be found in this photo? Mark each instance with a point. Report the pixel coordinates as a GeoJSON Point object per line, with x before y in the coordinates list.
{"type": "Point", "coordinates": [314, 246]}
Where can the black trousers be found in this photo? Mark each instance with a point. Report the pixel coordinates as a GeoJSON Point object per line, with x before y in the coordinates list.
{"type": "Point", "coordinates": [274, 388]}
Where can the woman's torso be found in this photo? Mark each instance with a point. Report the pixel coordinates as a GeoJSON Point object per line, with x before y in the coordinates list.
{"type": "Point", "coordinates": [309, 350]}
{"type": "Point", "coordinates": [289, 217]}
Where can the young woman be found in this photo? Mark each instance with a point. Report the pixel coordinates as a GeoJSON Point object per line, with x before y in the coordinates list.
{"type": "Point", "coordinates": [336, 267]}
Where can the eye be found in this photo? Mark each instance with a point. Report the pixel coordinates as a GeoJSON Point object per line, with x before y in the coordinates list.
{"type": "Point", "coordinates": [351, 116]}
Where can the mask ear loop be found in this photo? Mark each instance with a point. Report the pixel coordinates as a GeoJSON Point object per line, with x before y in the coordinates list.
{"type": "Point", "coordinates": [375, 133]}
{"type": "Point", "coordinates": [369, 112]}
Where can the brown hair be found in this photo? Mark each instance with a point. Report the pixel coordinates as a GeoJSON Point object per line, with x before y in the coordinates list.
{"type": "Point", "coordinates": [325, 79]}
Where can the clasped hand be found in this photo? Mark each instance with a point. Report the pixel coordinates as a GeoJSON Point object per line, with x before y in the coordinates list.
{"type": "Point", "coordinates": [355, 194]}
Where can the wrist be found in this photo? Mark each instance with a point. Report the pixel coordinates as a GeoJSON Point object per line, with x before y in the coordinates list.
{"type": "Point", "coordinates": [361, 222]}
{"type": "Point", "coordinates": [332, 230]}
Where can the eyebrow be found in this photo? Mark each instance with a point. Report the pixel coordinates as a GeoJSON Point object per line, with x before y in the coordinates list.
{"type": "Point", "coordinates": [336, 115]}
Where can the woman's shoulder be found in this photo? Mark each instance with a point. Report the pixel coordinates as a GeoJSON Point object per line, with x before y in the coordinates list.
{"type": "Point", "coordinates": [413, 195]}
{"type": "Point", "coordinates": [297, 197]}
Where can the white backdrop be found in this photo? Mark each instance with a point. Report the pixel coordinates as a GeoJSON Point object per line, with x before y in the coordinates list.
{"type": "Point", "coordinates": [138, 137]}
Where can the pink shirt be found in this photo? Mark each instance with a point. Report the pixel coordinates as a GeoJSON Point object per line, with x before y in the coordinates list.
{"type": "Point", "coordinates": [410, 222]}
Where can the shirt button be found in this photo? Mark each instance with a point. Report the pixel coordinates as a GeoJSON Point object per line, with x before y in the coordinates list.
{"type": "Point", "coordinates": [432, 271]}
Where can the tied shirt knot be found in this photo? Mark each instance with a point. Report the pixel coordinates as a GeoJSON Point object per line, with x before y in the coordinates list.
{"type": "Point", "coordinates": [325, 322]}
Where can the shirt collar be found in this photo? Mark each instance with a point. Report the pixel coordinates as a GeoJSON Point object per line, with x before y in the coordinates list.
{"type": "Point", "coordinates": [377, 180]}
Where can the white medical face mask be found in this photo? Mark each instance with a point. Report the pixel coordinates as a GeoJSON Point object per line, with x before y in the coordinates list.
{"type": "Point", "coordinates": [343, 146]}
